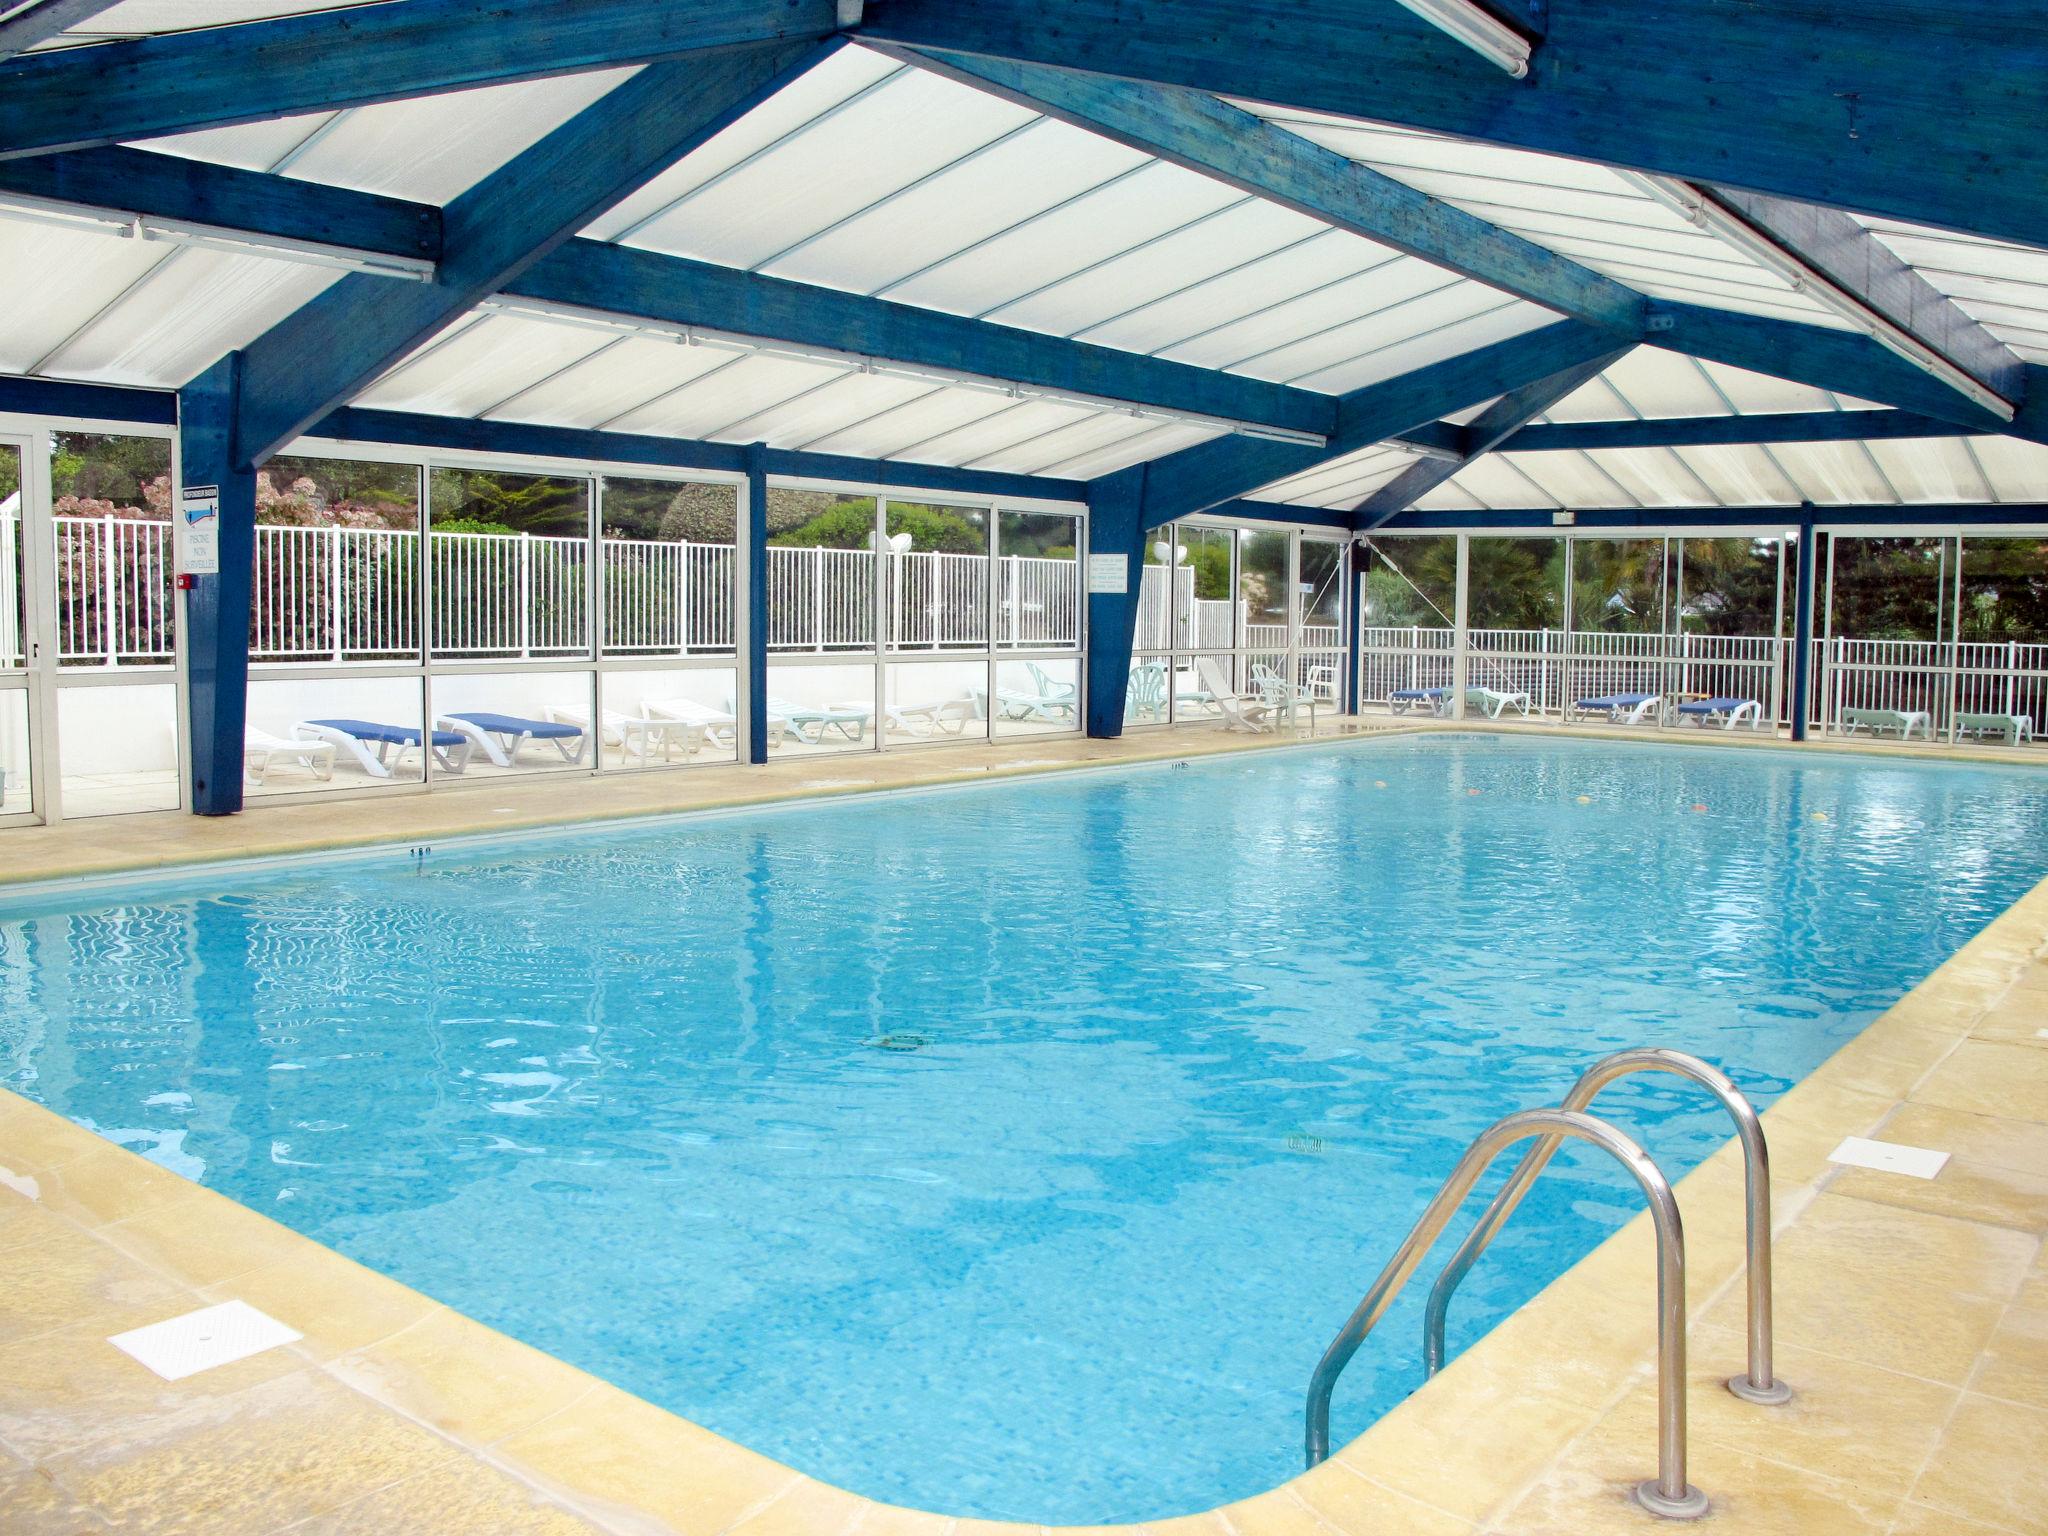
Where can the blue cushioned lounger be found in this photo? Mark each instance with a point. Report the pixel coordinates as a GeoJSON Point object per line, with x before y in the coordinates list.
{"type": "Point", "coordinates": [1401, 698]}
{"type": "Point", "coordinates": [374, 745]}
{"type": "Point", "coordinates": [1624, 708]}
{"type": "Point", "coordinates": [1726, 712]}
{"type": "Point", "coordinates": [500, 737]}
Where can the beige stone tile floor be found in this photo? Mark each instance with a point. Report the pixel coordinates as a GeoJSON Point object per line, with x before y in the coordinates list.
{"type": "Point", "coordinates": [1913, 1315]}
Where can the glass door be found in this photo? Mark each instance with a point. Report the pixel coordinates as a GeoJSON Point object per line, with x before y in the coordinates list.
{"type": "Point", "coordinates": [21, 689]}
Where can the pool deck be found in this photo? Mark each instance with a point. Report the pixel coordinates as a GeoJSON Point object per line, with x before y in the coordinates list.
{"type": "Point", "coordinates": [1912, 1314]}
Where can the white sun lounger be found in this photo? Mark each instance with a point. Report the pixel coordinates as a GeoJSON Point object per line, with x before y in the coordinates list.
{"type": "Point", "coordinates": [2010, 728]}
{"type": "Point", "coordinates": [638, 736]}
{"type": "Point", "coordinates": [721, 727]}
{"type": "Point", "coordinates": [262, 752]}
{"type": "Point", "coordinates": [940, 717]}
{"type": "Point", "coordinates": [1879, 721]}
{"type": "Point", "coordinates": [1239, 713]}
{"type": "Point", "coordinates": [1493, 702]}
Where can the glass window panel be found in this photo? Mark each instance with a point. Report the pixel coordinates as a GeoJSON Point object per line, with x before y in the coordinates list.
{"type": "Point", "coordinates": [316, 733]}
{"type": "Point", "coordinates": [1034, 697]}
{"type": "Point", "coordinates": [1890, 588]}
{"type": "Point", "coordinates": [1731, 587]}
{"type": "Point", "coordinates": [670, 567]}
{"type": "Point", "coordinates": [820, 708]}
{"type": "Point", "coordinates": [821, 572]}
{"type": "Point", "coordinates": [517, 722]}
{"type": "Point", "coordinates": [1323, 565]}
{"type": "Point", "coordinates": [1204, 604]}
{"type": "Point", "coordinates": [1158, 596]}
{"type": "Point", "coordinates": [336, 563]}
{"type": "Point", "coordinates": [1262, 590]}
{"type": "Point", "coordinates": [1617, 586]}
{"type": "Point", "coordinates": [118, 748]}
{"type": "Point", "coordinates": [670, 717]}
{"type": "Point", "coordinates": [936, 701]}
{"type": "Point", "coordinates": [17, 761]}
{"type": "Point", "coordinates": [936, 576]}
{"type": "Point", "coordinates": [509, 567]}
{"type": "Point", "coordinates": [2005, 591]}
{"type": "Point", "coordinates": [1411, 582]}
{"type": "Point", "coordinates": [1517, 584]}
{"type": "Point", "coordinates": [13, 616]}
{"type": "Point", "coordinates": [111, 527]}
{"type": "Point", "coordinates": [1038, 597]}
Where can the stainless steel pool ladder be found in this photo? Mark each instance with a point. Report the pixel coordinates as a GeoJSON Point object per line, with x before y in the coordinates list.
{"type": "Point", "coordinates": [1669, 1494]}
{"type": "Point", "coordinates": [1758, 1385]}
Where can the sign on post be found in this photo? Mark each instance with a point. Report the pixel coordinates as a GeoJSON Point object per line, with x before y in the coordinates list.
{"type": "Point", "coordinates": [1109, 574]}
{"type": "Point", "coordinates": [198, 533]}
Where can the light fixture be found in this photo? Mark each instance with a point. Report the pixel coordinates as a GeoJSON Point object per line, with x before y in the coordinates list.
{"type": "Point", "coordinates": [143, 226]}
{"type": "Point", "coordinates": [1478, 29]}
{"type": "Point", "coordinates": [1703, 212]}
{"type": "Point", "coordinates": [856, 362]}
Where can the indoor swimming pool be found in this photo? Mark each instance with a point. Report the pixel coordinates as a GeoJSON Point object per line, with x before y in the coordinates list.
{"type": "Point", "coordinates": [1009, 1151]}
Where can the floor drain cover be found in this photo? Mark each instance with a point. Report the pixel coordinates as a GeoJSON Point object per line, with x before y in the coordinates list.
{"type": "Point", "coordinates": [899, 1042]}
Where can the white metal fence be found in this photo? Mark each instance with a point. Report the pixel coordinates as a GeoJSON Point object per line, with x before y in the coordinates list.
{"type": "Point", "coordinates": [331, 594]}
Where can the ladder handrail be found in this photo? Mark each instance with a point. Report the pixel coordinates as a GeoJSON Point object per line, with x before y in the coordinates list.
{"type": "Point", "coordinates": [1759, 1386]}
{"type": "Point", "coordinates": [1669, 1493]}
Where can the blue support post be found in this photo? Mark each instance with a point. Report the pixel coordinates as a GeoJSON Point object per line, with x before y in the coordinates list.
{"type": "Point", "coordinates": [757, 603]}
{"type": "Point", "coordinates": [1116, 526]}
{"type": "Point", "coordinates": [217, 606]}
{"type": "Point", "coordinates": [1802, 630]}
{"type": "Point", "coordinates": [1354, 624]}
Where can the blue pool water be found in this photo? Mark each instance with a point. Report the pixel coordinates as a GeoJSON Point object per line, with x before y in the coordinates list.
{"type": "Point", "coordinates": [1183, 1053]}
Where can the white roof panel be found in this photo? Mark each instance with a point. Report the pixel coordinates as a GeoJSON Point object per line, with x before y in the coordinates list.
{"type": "Point", "coordinates": [1462, 321]}
{"type": "Point", "coordinates": [56, 280]}
{"type": "Point", "coordinates": [468, 369]}
{"type": "Point", "coordinates": [1740, 477]}
{"type": "Point", "coordinates": [1152, 443]}
{"type": "Point", "coordinates": [2018, 470]}
{"type": "Point", "coordinates": [611, 382]}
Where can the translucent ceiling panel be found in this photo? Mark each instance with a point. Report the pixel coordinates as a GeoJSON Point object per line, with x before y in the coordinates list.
{"type": "Point", "coordinates": [193, 308]}
{"type": "Point", "coordinates": [1568, 479]}
{"type": "Point", "coordinates": [431, 148]}
{"type": "Point", "coordinates": [1155, 443]}
{"type": "Point", "coordinates": [1296, 269]}
{"type": "Point", "coordinates": [613, 382]}
{"type": "Point", "coordinates": [1016, 278]}
{"type": "Point", "coordinates": [1835, 473]}
{"type": "Point", "coordinates": [728, 396]}
{"type": "Point", "coordinates": [810, 103]}
{"type": "Point", "coordinates": [55, 281]}
{"type": "Point", "coordinates": [1019, 176]}
{"type": "Point", "coordinates": [465, 372]}
{"type": "Point", "coordinates": [851, 398]}
{"type": "Point", "coordinates": [2018, 470]}
{"type": "Point", "coordinates": [1449, 497]}
{"type": "Point", "coordinates": [1741, 476]}
{"type": "Point", "coordinates": [1940, 254]}
{"type": "Point", "coordinates": [131, 17]}
{"type": "Point", "coordinates": [1653, 382]}
{"type": "Point", "coordinates": [1655, 477]}
{"type": "Point", "coordinates": [1320, 326]}
{"type": "Point", "coordinates": [1486, 319]}
{"type": "Point", "coordinates": [1020, 420]}
{"type": "Point", "coordinates": [1240, 233]}
{"type": "Point", "coordinates": [1379, 462]}
{"type": "Point", "coordinates": [877, 144]}
{"type": "Point", "coordinates": [1029, 455]}
{"type": "Point", "coordinates": [1493, 482]}
{"type": "Point", "coordinates": [1755, 392]}
{"type": "Point", "coordinates": [251, 146]}
{"type": "Point", "coordinates": [1937, 469]}
{"type": "Point", "coordinates": [922, 416]}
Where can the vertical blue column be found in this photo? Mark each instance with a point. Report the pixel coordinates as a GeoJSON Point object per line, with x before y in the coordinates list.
{"type": "Point", "coordinates": [217, 606]}
{"type": "Point", "coordinates": [1354, 622]}
{"type": "Point", "coordinates": [1802, 629]}
{"type": "Point", "coordinates": [756, 660]}
{"type": "Point", "coordinates": [1116, 526]}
